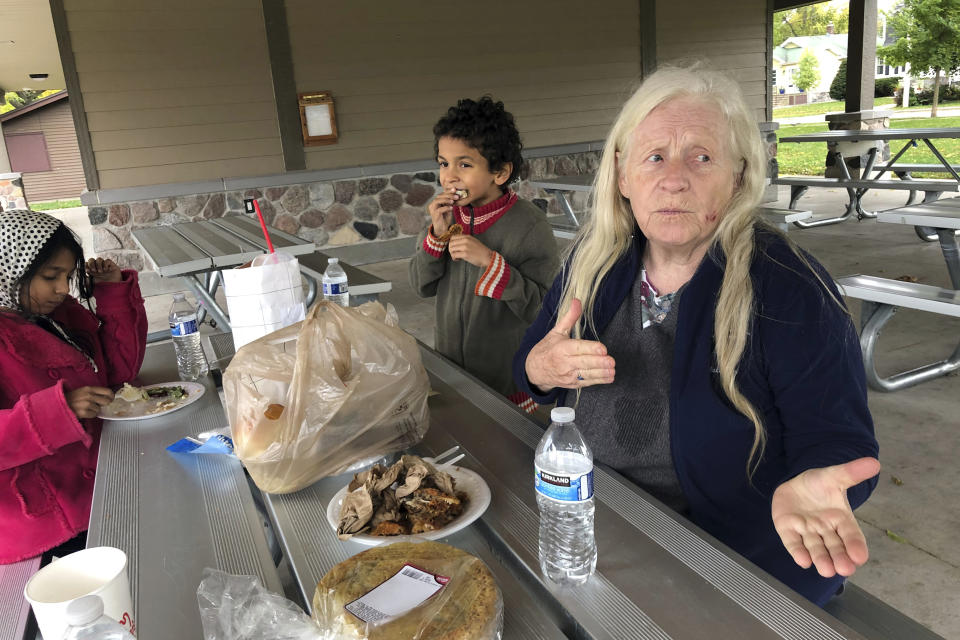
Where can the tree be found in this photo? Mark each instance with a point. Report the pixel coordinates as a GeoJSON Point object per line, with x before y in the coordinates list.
{"type": "Point", "coordinates": [928, 38]}
{"type": "Point", "coordinates": [808, 74]}
{"type": "Point", "coordinates": [811, 20]}
{"type": "Point", "coordinates": [838, 88]}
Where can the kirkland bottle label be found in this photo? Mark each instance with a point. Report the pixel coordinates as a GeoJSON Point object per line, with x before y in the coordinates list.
{"type": "Point", "coordinates": [564, 488]}
{"type": "Point", "coordinates": [179, 329]}
{"type": "Point", "coordinates": [334, 288]}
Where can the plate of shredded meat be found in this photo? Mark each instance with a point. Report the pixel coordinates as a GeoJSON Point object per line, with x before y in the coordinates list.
{"type": "Point", "coordinates": [410, 497]}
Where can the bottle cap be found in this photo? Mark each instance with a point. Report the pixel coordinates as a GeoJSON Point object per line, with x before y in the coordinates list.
{"type": "Point", "coordinates": [562, 414]}
{"type": "Point", "coordinates": [84, 610]}
{"type": "Point", "coordinates": [333, 260]}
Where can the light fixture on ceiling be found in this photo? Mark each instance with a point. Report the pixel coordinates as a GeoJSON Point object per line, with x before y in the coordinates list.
{"type": "Point", "coordinates": [39, 77]}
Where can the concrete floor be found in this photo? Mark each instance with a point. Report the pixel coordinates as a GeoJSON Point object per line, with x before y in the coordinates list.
{"type": "Point", "coordinates": [911, 524]}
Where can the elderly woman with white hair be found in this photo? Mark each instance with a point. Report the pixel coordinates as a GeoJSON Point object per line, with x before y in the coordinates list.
{"type": "Point", "coordinates": [714, 362]}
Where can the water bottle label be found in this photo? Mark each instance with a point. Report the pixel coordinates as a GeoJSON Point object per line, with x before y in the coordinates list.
{"type": "Point", "coordinates": [564, 488]}
{"type": "Point", "coordinates": [334, 288]}
{"type": "Point", "coordinates": [179, 329]}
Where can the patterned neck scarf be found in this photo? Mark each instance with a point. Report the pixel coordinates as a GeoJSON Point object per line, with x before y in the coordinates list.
{"type": "Point", "coordinates": [22, 234]}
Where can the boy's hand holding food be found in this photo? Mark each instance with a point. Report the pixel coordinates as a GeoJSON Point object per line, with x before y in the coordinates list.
{"type": "Point", "coordinates": [86, 402]}
{"type": "Point", "coordinates": [468, 248]}
{"type": "Point", "coordinates": [103, 270]}
{"type": "Point", "coordinates": [441, 209]}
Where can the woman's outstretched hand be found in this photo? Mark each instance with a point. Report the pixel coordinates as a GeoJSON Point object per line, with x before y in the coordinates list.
{"type": "Point", "coordinates": [815, 521]}
{"type": "Point", "coordinates": [560, 361]}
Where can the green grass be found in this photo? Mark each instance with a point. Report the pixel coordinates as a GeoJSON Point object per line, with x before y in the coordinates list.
{"type": "Point", "coordinates": [808, 158]}
{"type": "Point", "coordinates": [54, 204]}
{"type": "Point", "coordinates": [832, 107]}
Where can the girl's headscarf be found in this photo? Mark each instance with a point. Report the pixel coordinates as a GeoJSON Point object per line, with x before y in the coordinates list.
{"type": "Point", "coordinates": [22, 234]}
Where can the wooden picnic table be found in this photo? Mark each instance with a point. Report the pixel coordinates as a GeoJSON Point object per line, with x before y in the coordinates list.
{"type": "Point", "coordinates": [850, 142]}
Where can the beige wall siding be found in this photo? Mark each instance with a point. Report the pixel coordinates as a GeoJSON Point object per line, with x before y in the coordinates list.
{"type": "Point", "coordinates": [65, 179]}
{"type": "Point", "coordinates": [178, 91]}
{"type": "Point", "coordinates": [562, 67]}
{"type": "Point", "coordinates": [730, 36]}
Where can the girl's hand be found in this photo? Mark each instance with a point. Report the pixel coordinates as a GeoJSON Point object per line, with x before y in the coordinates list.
{"type": "Point", "coordinates": [470, 249]}
{"type": "Point", "coordinates": [441, 210]}
{"type": "Point", "coordinates": [86, 402]}
{"type": "Point", "coordinates": [103, 270]}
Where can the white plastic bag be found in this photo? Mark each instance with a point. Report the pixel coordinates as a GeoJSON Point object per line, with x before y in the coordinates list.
{"type": "Point", "coordinates": [310, 400]}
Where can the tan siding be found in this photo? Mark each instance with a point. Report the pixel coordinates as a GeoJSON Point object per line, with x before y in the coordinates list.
{"type": "Point", "coordinates": [177, 94]}
{"type": "Point", "coordinates": [393, 73]}
{"type": "Point", "coordinates": [730, 37]}
{"type": "Point", "coordinates": [65, 180]}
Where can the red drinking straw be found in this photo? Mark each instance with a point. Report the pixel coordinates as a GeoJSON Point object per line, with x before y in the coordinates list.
{"type": "Point", "coordinates": [263, 225]}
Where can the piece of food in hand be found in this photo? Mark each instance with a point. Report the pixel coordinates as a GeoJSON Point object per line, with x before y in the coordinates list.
{"type": "Point", "coordinates": [462, 193]}
{"type": "Point", "coordinates": [130, 393]}
{"type": "Point", "coordinates": [468, 607]}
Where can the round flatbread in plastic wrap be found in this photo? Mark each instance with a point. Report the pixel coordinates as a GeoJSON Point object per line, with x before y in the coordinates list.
{"type": "Point", "coordinates": [468, 607]}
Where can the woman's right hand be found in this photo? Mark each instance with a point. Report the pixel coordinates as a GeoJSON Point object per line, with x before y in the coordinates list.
{"type": "Point", "coordinates": [560, 361]}
{"type": "Point", "coordinates": [86, 402]}
{"type": "Point", "coordinates": [441, 210]}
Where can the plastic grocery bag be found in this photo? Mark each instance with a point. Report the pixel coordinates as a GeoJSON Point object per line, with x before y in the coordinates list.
{"type": "Point", "coordinates": [264, 297]}
{"type": "Point", "coordinates": [310, 400]}
{"type": "Point", "coordinates": [409, 591]}
{"type": "Point", "coordinates": [239, 608]}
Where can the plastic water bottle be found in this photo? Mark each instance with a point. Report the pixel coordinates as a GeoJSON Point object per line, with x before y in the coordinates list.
{"type": "Point", "coordinates": [191, 361]}
{"type": "Point", "coordinates": [87, 622]}
{"type": "Point", "coordinates": [335, 288]}
{"type": "Point", "coordinates": [564, 483]}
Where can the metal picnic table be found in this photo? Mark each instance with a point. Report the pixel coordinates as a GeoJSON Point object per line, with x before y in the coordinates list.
{"type": "Point", "coordinates": [849, 143]}
{"type": "Point", "coordinates": [197, 251]}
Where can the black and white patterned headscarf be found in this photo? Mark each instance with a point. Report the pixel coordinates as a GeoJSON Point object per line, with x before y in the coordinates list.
{"type": "Point", "coordinates": [22, 234]}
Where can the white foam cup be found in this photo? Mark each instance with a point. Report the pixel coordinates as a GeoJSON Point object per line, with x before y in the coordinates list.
{"type": "Point", "coordinates": [100, 571]}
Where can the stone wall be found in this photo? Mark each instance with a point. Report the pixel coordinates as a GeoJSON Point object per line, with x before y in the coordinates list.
{"type": "Point", "coordinates": [342, 212]}
{"type": "Point", "coordinates": [11, 191]}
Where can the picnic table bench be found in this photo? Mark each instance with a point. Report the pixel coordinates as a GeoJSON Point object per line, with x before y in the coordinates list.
{"type": "Point", "coordinates": [881, 297]}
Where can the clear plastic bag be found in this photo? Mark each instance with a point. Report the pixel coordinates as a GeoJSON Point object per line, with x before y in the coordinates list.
{"type": "Point", "coordinates": [310, 400]}
{"type": "Point", "coordinates": [239, 608]}
{"type": "Point", "coordinates": [469, 604]}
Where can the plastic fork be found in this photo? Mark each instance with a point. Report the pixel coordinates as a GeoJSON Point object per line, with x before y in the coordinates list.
{"type": "Point", "coordinates": [444, 456]}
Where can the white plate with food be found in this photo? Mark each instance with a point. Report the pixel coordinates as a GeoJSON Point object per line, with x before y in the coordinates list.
{"type": "Point", "coordinates": [468, 482]}
{"type": "Point", "coordinates": [151, 401]}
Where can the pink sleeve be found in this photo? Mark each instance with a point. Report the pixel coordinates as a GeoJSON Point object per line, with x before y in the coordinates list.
{"type": "Point", "coordinates": [37, 425]}
{"type": "Point", "coordinates": [123, 334]}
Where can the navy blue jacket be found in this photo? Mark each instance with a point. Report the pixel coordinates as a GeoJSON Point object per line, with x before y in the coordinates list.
{"type": "Point", "coordinates": [802, 370]}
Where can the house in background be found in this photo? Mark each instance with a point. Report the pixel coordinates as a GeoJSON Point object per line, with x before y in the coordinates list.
{"type": "Point", "coordinates": [41, 144]}
{"type": "Point", "coordinates": [829, 50]}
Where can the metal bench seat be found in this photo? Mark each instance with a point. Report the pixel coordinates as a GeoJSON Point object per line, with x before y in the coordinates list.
{"type": "Point", "coordinates": [843, 183]}
{"type": "Point", "coordinates": [14, 608]}
{"type": "Point", "coordinates": [781, 218]}
{"type": "Point", "coordinates": [881, 298]}
{"type": "Point", "coordinates": [874, 618]}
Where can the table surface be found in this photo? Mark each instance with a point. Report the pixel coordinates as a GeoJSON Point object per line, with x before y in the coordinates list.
{"type": "Point", "coordinates": [843, 135]}
{"type": "Point", "coordinates": [174, 514]}
{"type": "Point", "coordinates": [658, 576]}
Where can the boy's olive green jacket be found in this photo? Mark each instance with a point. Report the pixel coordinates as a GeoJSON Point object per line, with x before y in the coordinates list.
{"type": "Point", "coordinates": [482, 314]}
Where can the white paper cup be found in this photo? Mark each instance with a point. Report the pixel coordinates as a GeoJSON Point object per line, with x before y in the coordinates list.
{"type": "Point", "coordinates": [100, 571]}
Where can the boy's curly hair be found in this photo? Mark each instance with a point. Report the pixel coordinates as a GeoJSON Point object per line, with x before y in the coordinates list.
{"type": "Point", "coordinates": [487, 127]}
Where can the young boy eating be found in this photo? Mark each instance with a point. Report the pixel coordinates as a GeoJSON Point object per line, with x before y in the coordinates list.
{"type": "Point", "coordinates": [488, 256]}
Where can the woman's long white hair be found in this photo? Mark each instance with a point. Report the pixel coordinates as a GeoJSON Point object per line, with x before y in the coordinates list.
{"type": "Point", "coordinates": [606, 235]}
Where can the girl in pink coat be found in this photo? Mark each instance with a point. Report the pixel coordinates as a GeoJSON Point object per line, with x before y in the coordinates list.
{"type": "Point", "coordinates": [58, 362]}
